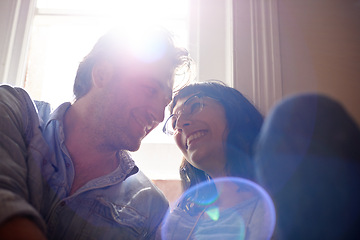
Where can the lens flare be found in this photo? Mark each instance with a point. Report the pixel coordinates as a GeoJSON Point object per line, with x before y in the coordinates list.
{"type": "Point", "coordinates": [148, 48]}
{"type": "Point", "coordinates": [226, 208]}
{"type": "Point", "coordinates": [213, 213]}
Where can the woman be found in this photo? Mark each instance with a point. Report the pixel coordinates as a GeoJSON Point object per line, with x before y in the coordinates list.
{"type": "Point", "coordinates": [215, 127]}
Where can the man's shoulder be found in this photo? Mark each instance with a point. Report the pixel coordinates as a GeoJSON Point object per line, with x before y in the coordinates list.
{"type": "Point", "coordinates": [10, 93]}
{"type": "Point", "coordinates": [140, 179]}
{"type": "Point", "coordinates": [17, 102]}
{"type": "Point", "coordinates": [142, 183]}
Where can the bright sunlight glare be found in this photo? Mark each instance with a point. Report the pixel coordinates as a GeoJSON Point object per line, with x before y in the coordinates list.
{"type": "Point", "coordinates": [166, 13]}
{"type": "Point", "coordinates": [151, 10]}
{"type": "Point", "coordinates": [65, 30]}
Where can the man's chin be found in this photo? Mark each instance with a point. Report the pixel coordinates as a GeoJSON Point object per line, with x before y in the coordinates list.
{"type": "Point", "coordinates": [132, 142]}
{"type": "Point", "coordinates": [134, 146]}
{"type": "Point", "coordinates": [133, 149]}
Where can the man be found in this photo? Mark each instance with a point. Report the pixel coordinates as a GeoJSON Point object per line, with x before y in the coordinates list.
{"type": "Point", "coordinates": [68, 175]}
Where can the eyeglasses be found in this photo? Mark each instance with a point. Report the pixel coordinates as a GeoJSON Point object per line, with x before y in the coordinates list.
{"type": "Point", "coordinates": [193, 105]}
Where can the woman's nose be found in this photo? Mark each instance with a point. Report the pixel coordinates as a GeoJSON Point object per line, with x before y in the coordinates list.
{"type": "Point", "coordinates": [182, 121]}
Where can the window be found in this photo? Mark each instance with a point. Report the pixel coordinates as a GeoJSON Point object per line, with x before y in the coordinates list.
{"type": "Point", "coordinates": [63, 32]}
{"type": "Point", "coordinates": [66, 28]}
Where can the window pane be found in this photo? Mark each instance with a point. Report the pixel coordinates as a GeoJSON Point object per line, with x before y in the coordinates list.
{"type": "Point", "coordinates": [61, 36]}
{"type": "Point", "coordinates": [58, 44]}
{"type": "Point", "coordinates": [154, 8]}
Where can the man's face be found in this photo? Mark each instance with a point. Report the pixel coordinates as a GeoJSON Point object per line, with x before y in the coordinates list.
{"type": "Point", "coordinates": [132, 103]}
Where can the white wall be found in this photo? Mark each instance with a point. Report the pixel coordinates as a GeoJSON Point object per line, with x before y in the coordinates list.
{"type": "Point", "coordinates": [257, 69]}
{"type": "Point", "coordinates": [320, 49]}
{"type": "Point", "coordinates": [287, 47]}
{"type": "Point", "coordinates": [211, 35]}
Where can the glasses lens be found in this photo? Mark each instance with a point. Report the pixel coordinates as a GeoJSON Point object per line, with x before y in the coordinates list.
{"type": "Point", "coordinates": [169, 127]}
{"type": "Point", "coordinates": [192, 106]}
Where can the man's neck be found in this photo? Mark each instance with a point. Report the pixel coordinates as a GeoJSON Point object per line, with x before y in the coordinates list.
{"type": "Point", "coordinates": [89, 159]}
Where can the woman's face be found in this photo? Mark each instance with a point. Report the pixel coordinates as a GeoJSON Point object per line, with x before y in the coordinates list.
{"type": "Point", "coordinates": [201, 136]}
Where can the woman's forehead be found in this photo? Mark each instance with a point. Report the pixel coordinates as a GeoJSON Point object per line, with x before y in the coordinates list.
{"type": "Point", "coordinates": [182, 100]}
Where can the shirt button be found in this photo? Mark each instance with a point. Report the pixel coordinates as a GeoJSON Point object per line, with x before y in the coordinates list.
{"type": "Point", "coordinates": [62, 203]}
{"type": "Point", "coordinates": [67, 165]}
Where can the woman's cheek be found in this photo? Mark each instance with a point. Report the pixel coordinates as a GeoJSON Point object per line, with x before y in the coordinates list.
{"type": "Point", "coordinates": [179, 142]}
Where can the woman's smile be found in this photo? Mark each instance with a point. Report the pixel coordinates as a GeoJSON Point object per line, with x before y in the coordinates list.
{"type": "Point", "coordinates": [194, 137]}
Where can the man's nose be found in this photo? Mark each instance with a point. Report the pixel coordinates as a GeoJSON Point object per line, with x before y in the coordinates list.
{"type": "Point", "coordinates": [157, 111]}
{"type": "Point", "coordinates": [157, 106]}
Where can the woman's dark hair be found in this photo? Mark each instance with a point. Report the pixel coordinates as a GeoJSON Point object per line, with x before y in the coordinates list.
{"type": "Point", "coordinates": [243, 123]}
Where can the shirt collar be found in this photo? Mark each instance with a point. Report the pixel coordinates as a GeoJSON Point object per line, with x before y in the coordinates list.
{"type": "Point", "coordinates": [126, 163]}
{"type": "Point", "coordinates": [59, 112]}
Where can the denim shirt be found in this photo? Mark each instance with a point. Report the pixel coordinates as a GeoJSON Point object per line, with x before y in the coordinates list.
{"type": "Point", "coordinates": [246, 220]}
{"type": "Point", "coordinates": [36, 174]}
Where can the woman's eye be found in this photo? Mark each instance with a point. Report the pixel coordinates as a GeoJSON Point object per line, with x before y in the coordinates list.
{"type": "Point", "coordinates": [194, 107]}
{"type": "Point", "coordinates": [173, 122]}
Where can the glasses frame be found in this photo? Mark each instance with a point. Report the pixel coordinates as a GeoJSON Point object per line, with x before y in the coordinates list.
{"type": "Point", "coordinates": [200, 96]}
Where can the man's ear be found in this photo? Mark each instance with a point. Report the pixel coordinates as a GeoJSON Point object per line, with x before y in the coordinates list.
{"type": "Point", "coordinates": [101, 73]}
